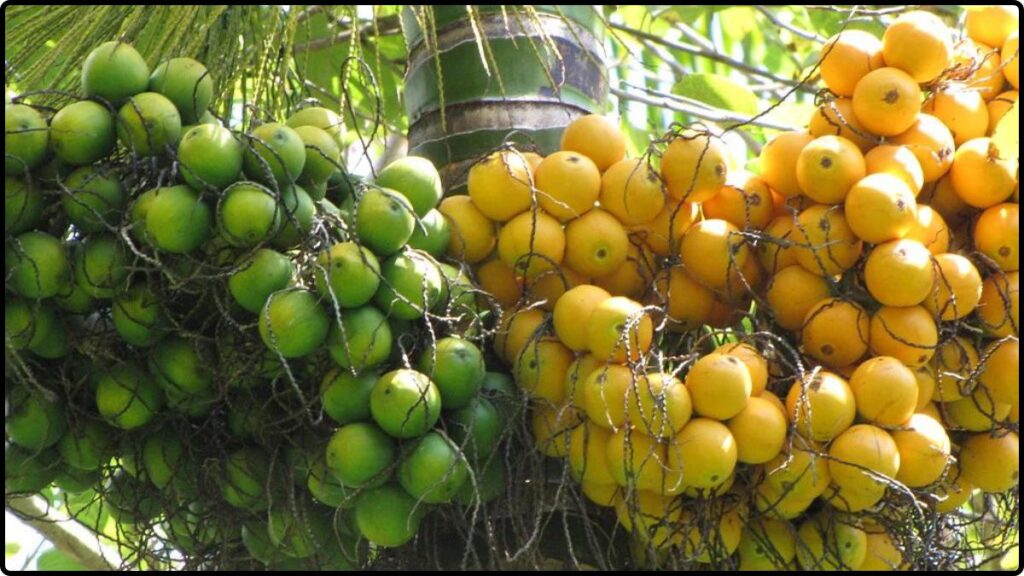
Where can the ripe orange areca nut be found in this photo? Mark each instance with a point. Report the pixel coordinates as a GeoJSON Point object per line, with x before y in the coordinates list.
{"type": "Point", "coordinates": [689, 304]}
{"type": "Point", "coordinates": [568, 184]}
{"type": "Point", "coordinates": [998, 107]}
{"type": "Point", "coordinates": [694, 166]}
{"type": "Point", "coordinates": [885, 391]}
{"type": "Point", "coordinates": [597, 138]}
{"type": "Point", "coordinates": [881, 207]}
{"type": "Point", "coordinates": [792, 292]}
{"type": "Point", "coordinates": [662, 234]}
{"type": "Point", "coordinates": [920, 44]}
{"type": "Point", "coordinates": [991, 25]}
{"type": "Point", "coordinates": [595, 244]}
{"type": "Point", "coordinates": [1011, 59]}
{"type": "Point", "coordinates": [980, 175]}
{"type": "Point", "coordinates": [963, 111]}
{"type": "Point", "coordinates": [999, 307]}
{"type": "Point", "coordinates": [887, 101]}
{"type": "Point", "coordinates": [754, 361]}
{"type": "Point", "coordinates": [835, 332]}
{"type": "Point", "coordinates": [778, 161]}
{"type": "Point", "coordinates": [719, 386]}
{"type": "Point", "coordinates": [899, 161]}
{"type": "Point", "coordinates": [958, 287]}
{"type": "Point", "coordinates": [573, 310]}
{"type": "Point", "coordinates": [825, 243]}
{"type": "Point", "coordinates": [828, 167]}
{"type": "Point", "coordinates": [924, 448]}
{"type": "Point", "coordinates": [531, 243]}
{"type": "Point", "coordinates": [930, 229]}
{"type": "Point", "coordinates": [711, 249]}
{"type": "Point", "coordinates": [997, 235]}
{"type": "Point", "coordinates": [472, 234]}
{"type": "Point", "coordinates": [499, 280]}
{"type": "Point", "coordinates": [899, 273]}
{"type": "Point", "coordinates": [616, 325]}
{"type": "Point", "coordinates": [500, 185]}
{"type": "Point", "coordinates": [745, 202]}
{"type": "Point", "coordinates": [774, 250]}
{"type": "Point", "coordinates": [906, 333]}
{"type": "Point", "coordinates": [847, 57]}
{"type": "Point", "coordinates": [632, 192]}
{"type": "Point", "coordinates": [932, 143]}
{"type": "Point", "coordinates": [821, 407]}
{"type": "Point", "coordinates": [836, 118]}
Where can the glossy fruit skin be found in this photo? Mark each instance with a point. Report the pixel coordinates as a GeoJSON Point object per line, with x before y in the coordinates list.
{"type": "Point", "coordinates": [980, 176]}
{"type": "Point", "coordinates": [532, 243]}
{"type": "Point", "coordinates": [500, 184]}
{"type": "Point", "coordinates": [899, 273]}
{"type": "Point", "coordinates": [23, 206]}
{"type": "Point", "coordinates": [886, 391]}
{"type": "Point", "coordinates": [597, 138]}
{"type": "Point", "coordinates": [596, 244]}
{"type": "Point", "coordinates": [835, 332]}
{"type": "Point", "coordinates": [434, 470]}
{"type": "Point", "coordinates": [148, 124]}
{"type": "Point", "coordinates": [187, 84]}
{"type": "Point", "coordinates": [472, 234]}
{"type": "Point", "coordinates": [997, 235]}
{"type": "Point", "coordinates": [274, 153]}
{"type": "Point", "coordinates": [415, 178]}
{"type": "Point", "coordinates": [759, 430]}
{"type": "Point", "coordinates": [712, 250]}
{"type": "Point", "coordinates": [385, 221]}
{"type": "Point", "coordinates": [710, 448]}
{"type": "Point", "coordinates": [362, 340]}
{"type": "Point", "coordinates": [26, 137]}
{"type": "Point", "coordinates": [248, 214]}
{"type": "Point", "coordinates": [719, 386]}
{"type": "Point", "coordinates": [36, 265]}
{"type": "Point", "coordinates": [632, 191]}
{"type": "Point", "coordinates": [359, 453]}
{"type": "Point", "coordinates": [825, 243]}
{"type": "Point", "coordinates": [114, 71]}
{"type": "Point", "coordinates": [35, 421]}
{"type": "Point", "coordinates": [881, 207]}
{"type": "Point", "coordinates": [619, 328]}
{"type": "Point", "coordinates": [292, 323]}
{"type": "Point", "coordinates": [127, 397]}
{"type": "Point", "coordinates": [405, 403]}
{"type": "Point", "coordinates": [847, 57]}
{"type": "Point", "coordinates": [411, 285]}
{"type": "Point", "coordinates": [568, 184]}
{"type": "Point", "coordinates": [830, 397]}
{"type": "Point", "coordinates": [906, 333]}
{"type": "Point", "coordinates": [887, 101]}
{"type": "Point", "coordinates": [920, 44]}
{"type": "Point", "coordinates": [96, 200]}
{"type": "Point", "coordinates": [457, 367]}
{"type": "Point", "coordinates": [259, 277]}
{"type": "Point", "coordinates": [176, 219]}
{"type": "Point", "coordinates": [778, 161]}
{"type": "Point", "coordinates": [210, 157]}
{"type": "Point", "coordinates": [992, 463]}
{"type": "Point", "coordinates": [828, 167]}
{"type": "Point", "coordinates": [693, 166]}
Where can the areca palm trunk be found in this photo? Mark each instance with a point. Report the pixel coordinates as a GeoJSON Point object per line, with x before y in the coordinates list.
{"type": "Point", "coordinates": [481, 76]}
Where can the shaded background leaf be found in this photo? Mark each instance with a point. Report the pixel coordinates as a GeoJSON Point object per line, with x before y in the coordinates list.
{"type": "Point", "coordinates": [719, 92]}
{"type": "Point", "coordinates": [56, 561]}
